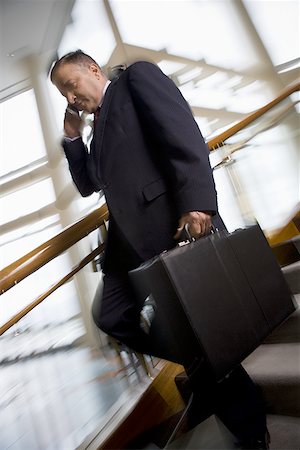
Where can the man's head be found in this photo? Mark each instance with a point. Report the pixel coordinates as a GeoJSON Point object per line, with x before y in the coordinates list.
{"type": "Point", "coordinates": [80, 80]}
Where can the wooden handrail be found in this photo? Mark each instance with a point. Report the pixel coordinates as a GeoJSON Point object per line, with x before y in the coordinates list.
{"type": "Point", "coordinates": [219, 140]}
{"type": "Point", "coordinates": [14, 319]}
{"type": "Point", "coordinates": [41, 255]}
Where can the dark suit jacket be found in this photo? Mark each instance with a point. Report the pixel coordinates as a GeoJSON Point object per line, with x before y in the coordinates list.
{"type": "Point", "coordinates": [150, 159]}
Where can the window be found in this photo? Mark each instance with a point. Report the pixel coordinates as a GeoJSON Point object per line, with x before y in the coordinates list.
{"type": "Point", "coordinates": [21, 139]}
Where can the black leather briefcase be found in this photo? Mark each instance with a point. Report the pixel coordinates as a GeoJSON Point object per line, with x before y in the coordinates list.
{"type": "Point", "coordinates": [217, 298]}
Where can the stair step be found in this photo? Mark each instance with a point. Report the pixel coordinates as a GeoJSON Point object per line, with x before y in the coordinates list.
{"type": "Point", "coordinates": [287, 252]}
{"type": "Point", "coordinates": [212, 435]}
{"type": "Point", "coordinates": [276, 369]}
{"type": "Point", "coordinates": [292, 275]}
{"type": "Point", "coordinates": [284, 431]}
{"type": "Point", "coordinates": [289, 331]}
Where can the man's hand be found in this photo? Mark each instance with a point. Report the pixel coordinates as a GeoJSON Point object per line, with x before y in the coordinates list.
{"type": "Point", "coordinates": [198, 222]}
{"type": "Point", "coordinates": [72, 123]}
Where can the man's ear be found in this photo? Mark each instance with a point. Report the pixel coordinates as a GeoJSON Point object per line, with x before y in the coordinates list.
{"type": "Point", "coordinates": [95, 70]}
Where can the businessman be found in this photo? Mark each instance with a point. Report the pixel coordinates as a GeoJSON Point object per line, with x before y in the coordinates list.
{"type": "Point", "coordinates": [150, 159]}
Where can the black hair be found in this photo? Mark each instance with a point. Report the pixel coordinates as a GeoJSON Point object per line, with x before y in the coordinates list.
{"type": "Point", "coordinates": [76, 57]}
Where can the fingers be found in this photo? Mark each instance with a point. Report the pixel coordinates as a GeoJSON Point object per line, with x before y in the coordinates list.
{"type": "Point", "coordinates": [72, 123]}
{"type": "Point", "coordinates": [203, 223]}
{"type": "Point", "coordinates": [72, 115]}
{"type": "Point", "coordinates": [179, 229]}
{"type": "Point", "coordinates": [199, 224]}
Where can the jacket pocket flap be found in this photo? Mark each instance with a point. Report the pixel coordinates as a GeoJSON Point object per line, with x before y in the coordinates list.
{"type": "Point", "coordinates": [154, 189]}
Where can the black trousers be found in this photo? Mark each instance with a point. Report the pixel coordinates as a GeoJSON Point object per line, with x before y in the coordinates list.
{"type": "Point", "coordinates": [235, 400]}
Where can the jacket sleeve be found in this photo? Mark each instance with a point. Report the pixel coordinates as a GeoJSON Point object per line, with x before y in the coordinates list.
{"type": "Point", "coordinates": [77, 156]}
{"type": "Point", "coordinates": [167, 118]}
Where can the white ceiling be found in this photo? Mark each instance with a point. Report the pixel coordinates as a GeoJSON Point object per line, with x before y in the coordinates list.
{"type": "Point", "coordinates": [28, 28]}
{"type": "Point", "coordinates": [35, 27]}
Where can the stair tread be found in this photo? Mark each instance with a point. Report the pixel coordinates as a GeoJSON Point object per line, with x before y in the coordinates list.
{"type": "Point", "coordinates": [289, 330]}
{"type": "Point", "coordinates": [284, 431]}
{"type": "Point", "coordinates": [291, 274]}
{"type": "Point", "coordinates": [276, 369]}
{"type": "Point", "coordinates": [276, 361]}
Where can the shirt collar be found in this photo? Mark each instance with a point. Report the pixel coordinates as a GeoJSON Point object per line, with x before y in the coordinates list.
{"type": "Point", "coordinates": [104, 91]}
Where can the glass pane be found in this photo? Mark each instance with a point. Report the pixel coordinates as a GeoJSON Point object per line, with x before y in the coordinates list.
{"type": "Point", "coordinates": [277, 23]}
{"type": "Point", "coordinates": [59, 307]}
{"type": "Point", "coordinates": [21, 139]}
{"type": "Point", "coordinates": [229, 207]}
{"type": "Point", "coordinates": [191, 28]}
{"type": "Point", "coordinates": [16, 243]}
{"type": "Point", "coordinates": [90, 31]}
{"type": "Point", "coordinates": [54, 395]}
{"type": "Point", "coordinates": [264, 172]}
{"type": "Point", "coordinates": [27, 200]}
{"type": "Point", "coordinates": [34, 229]}
{"type": "Point", "coordinates": [56, 391]}
{"type": "Point", "coordinates": [64, 300]}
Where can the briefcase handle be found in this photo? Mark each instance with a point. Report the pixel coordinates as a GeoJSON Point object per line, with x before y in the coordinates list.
{"type": "Point", "coordinates": [187, 238]}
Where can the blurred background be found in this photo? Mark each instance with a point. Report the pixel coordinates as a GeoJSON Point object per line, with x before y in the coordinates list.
{"type": "Point", "coordinates": [228, 58]}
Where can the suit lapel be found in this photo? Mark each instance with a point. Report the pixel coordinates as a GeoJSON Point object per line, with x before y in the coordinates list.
{"type": "Point", "coordinates": [101, 120]}
{"type": "Point", "coordinates": [97, 142]}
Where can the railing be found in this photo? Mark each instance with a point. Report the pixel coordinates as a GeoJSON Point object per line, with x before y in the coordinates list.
{"type": "Point", "coordinates": [221, 138]}
{"type": "Point", "coordinates": [258, 158]}
{"type": "Point", "coordinates": [49, 250]}
{"type": "Point", "coordinates": [32, 261]}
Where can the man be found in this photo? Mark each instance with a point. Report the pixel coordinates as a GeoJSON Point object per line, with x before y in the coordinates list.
{"type": "Point", "coordinates": [149, 158]}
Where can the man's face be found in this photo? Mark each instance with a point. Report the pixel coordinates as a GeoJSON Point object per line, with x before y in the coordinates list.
{"type": "Point", "coordinates": [82, 86]}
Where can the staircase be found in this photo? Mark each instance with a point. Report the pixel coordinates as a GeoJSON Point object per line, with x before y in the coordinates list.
{"type": "Point", "coordinates": [275, 366]}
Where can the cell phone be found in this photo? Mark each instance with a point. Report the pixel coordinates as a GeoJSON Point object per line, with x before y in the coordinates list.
{"type": "Point", "coordinates": [72, 110]}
